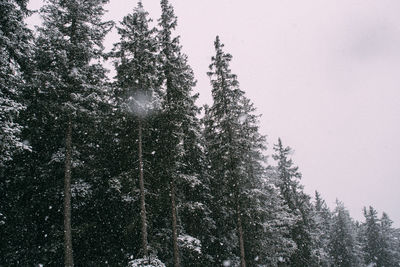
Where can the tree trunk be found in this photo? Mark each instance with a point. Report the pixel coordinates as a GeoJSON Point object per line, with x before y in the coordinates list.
{"type": "Point", "coordinates": [241, 240]}
{"type": "Point", "coordinates": [177, 262]}
{"type": "Point", "coordinates": [142, 196]}
{"type": "Point", "coordinates": [68, 253]}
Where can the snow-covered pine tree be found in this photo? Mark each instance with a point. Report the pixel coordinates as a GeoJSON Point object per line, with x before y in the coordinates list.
{"type": "Point", "coordinates": [136, 96]}
{"type": "Point", "coordinates": [342, 238]}
{"type": "Point", "coordinates": [179, 151]}
{"type": "Point", "coordinates": [390, 242]}
{"type": "Point", "coordinates": [322, 223]}
{"type": "Point", "coordinates": [372, 246]}
{"type": "Point", "coordinates": [298, 202]}
{"type": "Point", "coordinates": [69, 82]}
{"type": "Point", "coordinates": [379, 240]}
{"type": "Point", "coordinates": [265, 216]}
{"type": "Point", "coordinates": [222, 127]}
{"type": "Point", "coordinates": [235, 152]}
{"type": "Point", "coordinates": [15, 72]}
{"type": "Point", "coordinates": [267, 225]}
{"type": "Point", "coordinates": [15, 51]}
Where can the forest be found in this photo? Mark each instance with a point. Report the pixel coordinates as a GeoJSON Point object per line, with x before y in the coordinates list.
{"type": "Point", "coordinates": [130, 171]}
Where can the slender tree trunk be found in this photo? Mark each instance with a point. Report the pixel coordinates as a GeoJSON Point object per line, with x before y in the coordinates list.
{"type": "Point", "coordinates": [68, 253]}
{"type": "Point", "coordinates": [142, 196]}
{"type": "Point", "coordinates": [241, 240]}
{"type": "Point", "coordinates": [177, 262]}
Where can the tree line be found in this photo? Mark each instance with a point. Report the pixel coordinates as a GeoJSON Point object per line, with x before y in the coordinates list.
{"type": "Point", "coordinates": [131, 172]}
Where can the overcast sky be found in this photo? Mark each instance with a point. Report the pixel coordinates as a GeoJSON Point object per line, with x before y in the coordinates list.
{"type": "Point", "coordinates": [325, 76]}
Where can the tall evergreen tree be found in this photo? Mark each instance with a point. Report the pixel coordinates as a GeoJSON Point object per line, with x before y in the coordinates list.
{"type": "Point", "coordinates": [298, 202]}
{"type": "Point", "coordinates": [222, 130]}
{"type": "Point", "coordinates": [235, 152]}
{"type": "Point", "coordinates": [69, 83]}
{"type": "Point", "coordinates": [372, 246]}
{"type": "Point", "coordinates": [136, 92]}
{"type": "Point", "coordinates": [268, 222]}
{"type": "Point", "coordinates": [15, 73]}
{"type": "Point", "coordinates": [322, 223]}
{"type": "Point", "coordinates": [15, 51]}
{"type": "Point", "coordinates": [342, 238]}
{"type": "Point", "coordinates": [179, 151]}
{"type": "Point", "coordinates": [390, 242]}
{"type": "Point", "coordinates": [379, 240]}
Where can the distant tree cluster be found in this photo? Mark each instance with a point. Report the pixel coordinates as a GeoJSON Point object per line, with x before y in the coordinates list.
{"type": "Point", "coordinates": [130, 172]}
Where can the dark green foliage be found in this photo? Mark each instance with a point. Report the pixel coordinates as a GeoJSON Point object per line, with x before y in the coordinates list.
{"type": "Point", "coordinates": [181, 156]}
{"type": "Point", "coordinates": [298, 203]}
{"type": "Point", "coordinates": [380, 243]}
{"type": "Point", "coordinates": [136, 98]}
{"type": "Point", "coordinates": [373, 238]}
{"type": "Point", "coordinates": [342, 238]}
{"type": "Point", "coordinates": [215, 167]}
{"type": "Point", "coordinates": [390, 242]}
{"type": "Point", "coordinates": [239, 179]}
{"type": "Point", "coordinates": [322, 218]}
{"type": "Point", "coordinates": [221, 123]}
{"type": "Point", "coordinates": [66, 85]}
{"type": "Point", "coordinates": [15, 52]}
{"type": "Point", "coordinates": [17, 209]}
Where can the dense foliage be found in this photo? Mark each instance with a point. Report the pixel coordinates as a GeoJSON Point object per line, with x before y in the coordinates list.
{"type": "Point", "coordinates": [125, 172]}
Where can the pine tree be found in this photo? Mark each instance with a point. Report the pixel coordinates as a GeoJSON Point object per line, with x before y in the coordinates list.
{"type": "Point", "coordinates": [15, 50]}
{"type": "Point", "coordinates": [298, 202]}
{"type": "Point", "coordinates": [69, 82]}
{"type": "Point", "coordinates": [342, 238]}
{"type": "Point", "coordinates": [379, 239]}
{"type": "Point", "coordinates": [15, 76]}
{"type": "Point", "coordinates": [178, 149]}
{"type": "Point", "coordinates": [136, 92]}
{"type": "Point", "coordinates": [222, 122]}
{"type": "Point", "coordinates": [322, 223]}
{"type": "Point", "coordinates": [389, 243]}
{"type": "Point", "coordinates": [267, 225]}
{"type": "Point", "coordinates": [372, 246]}
{"type": "Point", "coordinates": [235, 153]}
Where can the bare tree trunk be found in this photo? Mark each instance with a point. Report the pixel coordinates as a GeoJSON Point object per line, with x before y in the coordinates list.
{"type": "Point", "coordinates": [68, 253]}
{"type": "Point", "coordinates": [177, 262]}
{"type": "Point", "coordinates": [240, 233]}
{"type": "Point", "coordinates": [142, 196]}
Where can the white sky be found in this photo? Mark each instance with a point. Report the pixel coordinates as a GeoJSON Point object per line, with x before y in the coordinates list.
{"type": "Point", "coordinates": [325, 76]}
